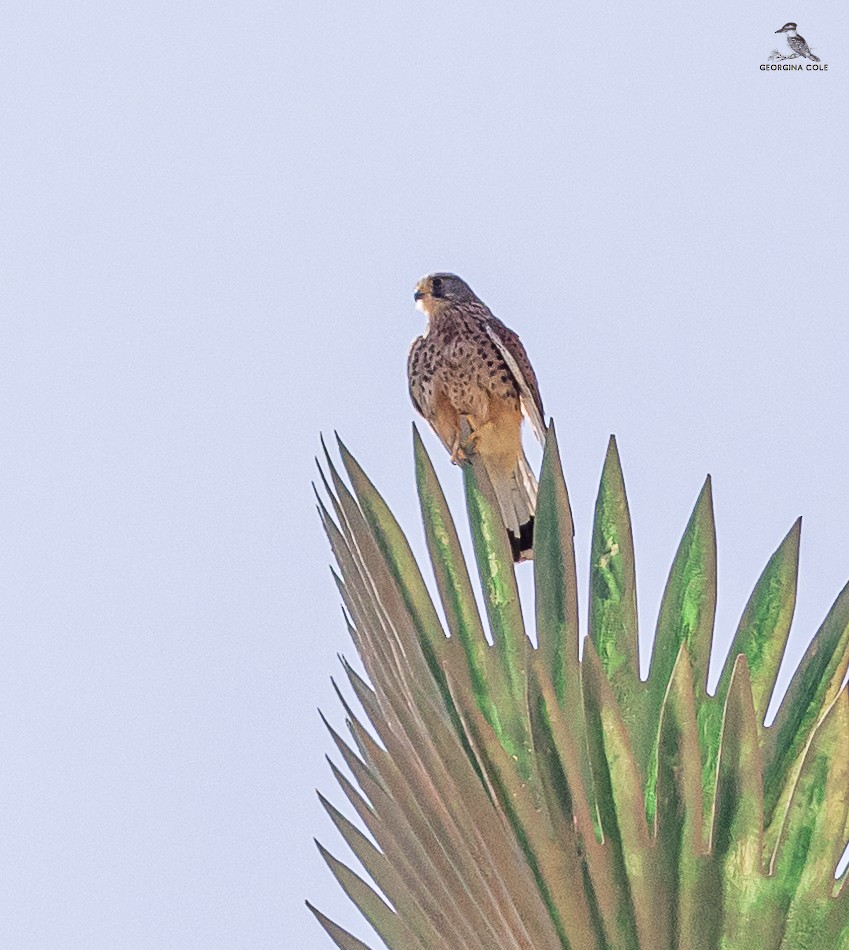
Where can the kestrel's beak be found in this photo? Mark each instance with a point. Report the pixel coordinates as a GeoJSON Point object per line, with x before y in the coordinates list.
{"type": "Point", "coordinates": [419, 295]}
{"type": "Point", "coordinates": [779, 31]}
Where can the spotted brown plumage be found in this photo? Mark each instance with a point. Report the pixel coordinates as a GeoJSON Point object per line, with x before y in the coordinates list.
{"type": "Point", "coordinates": [468, 367]}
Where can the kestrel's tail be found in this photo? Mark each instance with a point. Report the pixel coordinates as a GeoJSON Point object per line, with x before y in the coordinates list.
{"type": "Point", "coordinates": [816, 59]}
{"type": "Point", "coordinates": [517, 498]}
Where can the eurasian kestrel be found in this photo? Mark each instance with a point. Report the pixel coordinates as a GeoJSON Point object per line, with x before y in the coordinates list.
{"type": "Point", "coordinates": [469, 367]}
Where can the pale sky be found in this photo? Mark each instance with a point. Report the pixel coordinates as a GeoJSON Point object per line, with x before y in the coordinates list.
{"type": "Point", "coordinates": [213, 220]}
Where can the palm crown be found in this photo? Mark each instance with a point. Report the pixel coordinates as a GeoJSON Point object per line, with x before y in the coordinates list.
{"type": "Point", "coordinates": [521, 797]}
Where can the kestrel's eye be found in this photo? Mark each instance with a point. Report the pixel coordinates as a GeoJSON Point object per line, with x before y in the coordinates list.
{"type": "Point", "coordinates": [436, 286]}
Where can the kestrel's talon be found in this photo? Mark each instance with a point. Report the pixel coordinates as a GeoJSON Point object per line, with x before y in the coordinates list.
{"type": "Point", "coordinates": [458, 454]}
{"type": "Point", "coordinates": [470, 438]}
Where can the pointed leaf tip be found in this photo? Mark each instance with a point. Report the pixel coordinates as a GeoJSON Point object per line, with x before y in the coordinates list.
{"type": "Point", "coordinates": [765, 625]}
{"type": "Point", "coordinates": [343, 449]}
{"type": "Point", "coordinates": [613, 595]}
{"type": "Point", "coordinates": [555, 579]}
{"type": "Point", "coordinates": [689, 602]}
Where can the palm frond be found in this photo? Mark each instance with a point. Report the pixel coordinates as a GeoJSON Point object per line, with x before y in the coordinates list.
{"type": "Point", "coordinates": [515, 796]}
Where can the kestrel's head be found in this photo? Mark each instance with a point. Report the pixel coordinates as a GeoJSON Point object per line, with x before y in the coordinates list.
{"type": "Point", "coordinates": [787, 28]}
{"type": "Point", "coordinates": [437, 290]}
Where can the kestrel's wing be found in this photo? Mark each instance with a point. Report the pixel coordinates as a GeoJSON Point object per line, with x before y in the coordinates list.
{"type": "Point", "coordinates": [513, 353]}
{"type": "Point", "coordinates": [414, 377]}
{"type": "Point", "coordinates": [423, 396]}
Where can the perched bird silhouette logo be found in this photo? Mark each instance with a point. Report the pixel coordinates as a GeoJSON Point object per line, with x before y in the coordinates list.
{"type": "Point", "coordinates": [471, 378]}
{"type": "Point", "coordinates": [797, 43]}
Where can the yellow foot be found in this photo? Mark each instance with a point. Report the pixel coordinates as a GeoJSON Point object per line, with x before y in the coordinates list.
{"type": "Point", "coordinates": [463, 448]}
{"type": "Point", "coordinates": [458, 455]}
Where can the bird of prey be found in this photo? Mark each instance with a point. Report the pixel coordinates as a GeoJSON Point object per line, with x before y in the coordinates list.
{"type": "Point", "coordinates": [470, 377]}
{"type": "Point", "coordinates": [797, 43]}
